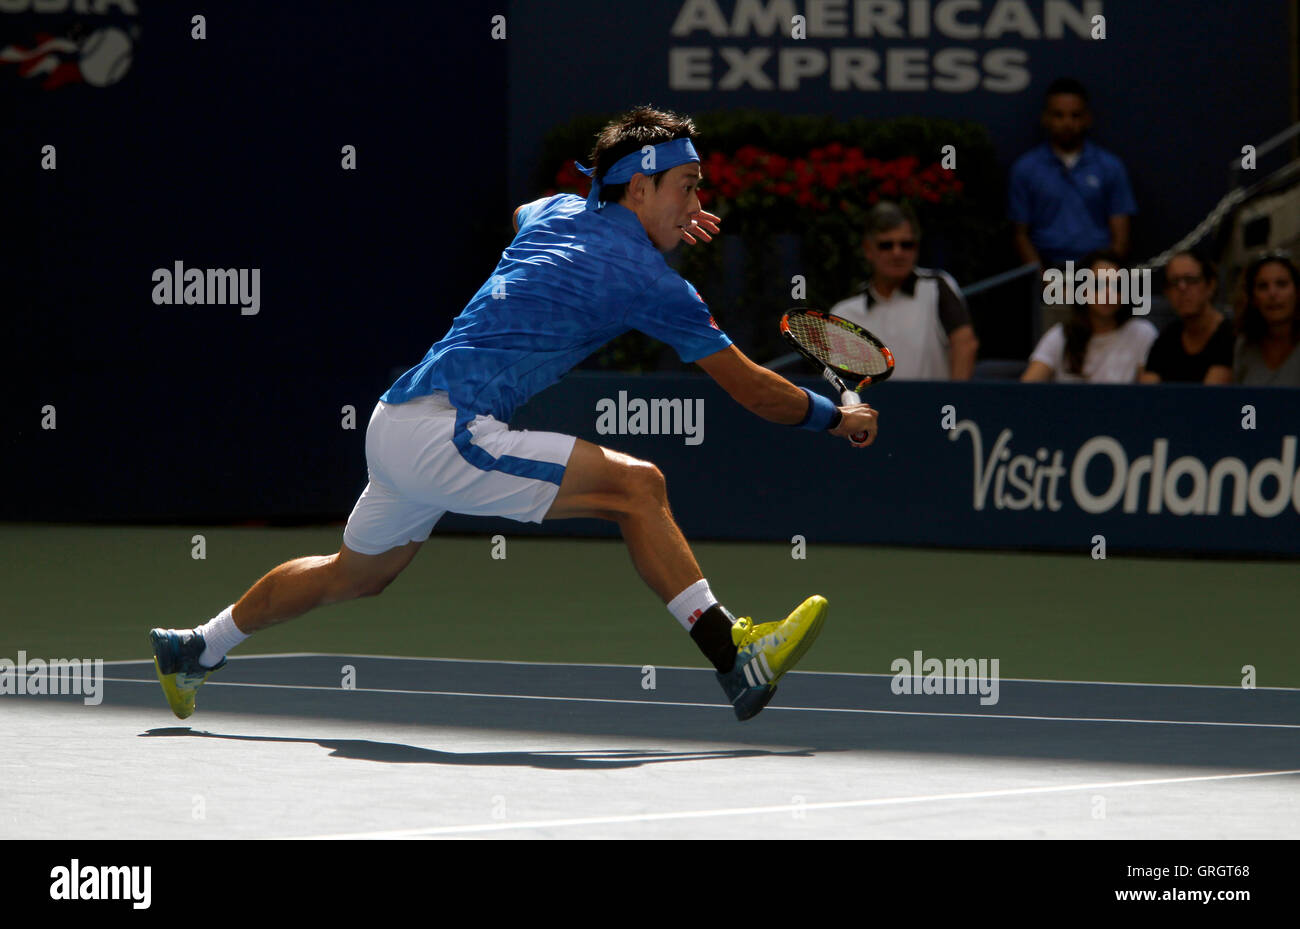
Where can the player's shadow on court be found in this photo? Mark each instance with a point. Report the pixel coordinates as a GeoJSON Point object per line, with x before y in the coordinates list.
{"type": "Point", "coordinates": [398, 753]}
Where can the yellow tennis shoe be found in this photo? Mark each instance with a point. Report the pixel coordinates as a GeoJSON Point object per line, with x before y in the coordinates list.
{"type": "Point", "coordinates": [765, 652]}
{"type": "Point", "coordinates": [176, 658]}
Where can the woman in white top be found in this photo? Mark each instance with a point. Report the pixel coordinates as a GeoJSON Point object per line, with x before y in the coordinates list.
{"type": "Point", "coordinates": [1101, 343]}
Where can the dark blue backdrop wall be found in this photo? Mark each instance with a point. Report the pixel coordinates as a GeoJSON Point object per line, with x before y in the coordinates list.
{"type": "Point", "coordinates": [984, 465]}
{"type": "Point", "coordinates": [1178, 86]}
{"type": "Point", "coordinates": [226, 153]}
{"type": "Point", "coordinates": [1003, 465]}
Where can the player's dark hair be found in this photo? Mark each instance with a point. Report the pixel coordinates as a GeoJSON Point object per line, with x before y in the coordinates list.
{"type": "Point", "coordinates": [627, 133]}
{"type": "Point", "coordinates": [1078, 328]}
{"type": "Point", "coordinates": [887, 215]}
{"type": "Point", "coordinates": [1250, 321]}
{"type": "Point", "coordinates": [1208, 269]}
{"type": "Point", "coordinates": [1065, 85]}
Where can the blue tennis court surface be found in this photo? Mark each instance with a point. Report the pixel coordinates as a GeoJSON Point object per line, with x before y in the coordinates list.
{"type": "Point", "coordinates": [334, 746]}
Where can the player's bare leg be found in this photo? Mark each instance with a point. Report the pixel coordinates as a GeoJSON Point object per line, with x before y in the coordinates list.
{"type": "Point", "coordinates": [603, 484]}
{"type": "Point", "coordinates": [184, 658]}
{"type": "Point", "coordinates": [749, 658]}
{"type": "Point", "coordinates": [305, 583]}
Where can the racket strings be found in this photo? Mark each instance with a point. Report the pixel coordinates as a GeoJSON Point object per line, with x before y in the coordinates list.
{"type": "Point", "coordinates": [838, 347]}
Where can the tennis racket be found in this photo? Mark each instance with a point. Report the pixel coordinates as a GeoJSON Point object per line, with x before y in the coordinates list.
{"type": "Point", "coordinates": [842, 349]}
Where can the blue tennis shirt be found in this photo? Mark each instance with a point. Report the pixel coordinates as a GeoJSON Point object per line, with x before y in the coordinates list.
{"type": "Point", "coordinates": [1068, 210]}
{"type": "Point", "coordinates": [571, 280]}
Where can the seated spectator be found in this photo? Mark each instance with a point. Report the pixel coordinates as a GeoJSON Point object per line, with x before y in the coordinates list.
{"type": "Point", "coordinates": [1197, 346]}
{"type": "Point", "coordinates": [918, 312]}
{"type": "Point", "coordinates": [1068, 197]}
{"type": "Point", "coordinates": [1268, 325]}
{"type": "Point", "coordinates": [1101, 342]}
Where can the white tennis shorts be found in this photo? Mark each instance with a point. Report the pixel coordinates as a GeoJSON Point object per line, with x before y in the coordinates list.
{"type": "Point", "coordinates": [426, 458]}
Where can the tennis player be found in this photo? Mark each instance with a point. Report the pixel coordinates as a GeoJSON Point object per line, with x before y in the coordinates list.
{"type": "Point", "coordinates": [577, 274]}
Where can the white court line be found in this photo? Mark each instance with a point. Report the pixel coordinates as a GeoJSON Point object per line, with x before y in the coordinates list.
{"type": "Point", "coordinates": [788, 709]}
{"type": "Point", "coordinates": [149, 661]}
{"type": "Point", "coordinates": [781, 808]}
{"type": "Point", "coordinates": [671, 667]}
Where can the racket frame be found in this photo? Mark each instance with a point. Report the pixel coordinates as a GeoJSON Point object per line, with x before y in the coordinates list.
{"type": "Point", "coordinates": [853, 329]}
{"type": "Point", "coordinates": [834, 374]}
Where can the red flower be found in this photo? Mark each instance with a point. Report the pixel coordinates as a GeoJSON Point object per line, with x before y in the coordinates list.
{"type": "Point", "coordinates": [827, 175]}
{"type": "Point", "coordinates": [570, 178]}
{"type": "Point", "coordinates": [854, 164]}
{"type": "Point", "coordinates": [832, 177]}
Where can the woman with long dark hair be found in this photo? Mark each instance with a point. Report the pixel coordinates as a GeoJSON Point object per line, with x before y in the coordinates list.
{"type": "Point", "coordinates": [1196, 348]}
{"type": "Point", "coordinates": [1101, 342]}
{"type": "Point", "coordinates": [1268, 326]}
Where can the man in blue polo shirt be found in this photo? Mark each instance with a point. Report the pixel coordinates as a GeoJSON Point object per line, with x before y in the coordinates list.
{"type": "Point", "coordinates": [1069, 197]}
{"type": "Point", "coordinates": [577, 274]}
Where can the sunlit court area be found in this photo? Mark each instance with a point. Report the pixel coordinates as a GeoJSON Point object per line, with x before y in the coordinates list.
{"type": "Point", "coordinates": [508, 719]}
{"type": "Point", "coordinates": [547, 421]}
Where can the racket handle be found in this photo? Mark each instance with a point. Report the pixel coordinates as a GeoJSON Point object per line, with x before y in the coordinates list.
{"type": "Point", "coordinates": [848, 397]}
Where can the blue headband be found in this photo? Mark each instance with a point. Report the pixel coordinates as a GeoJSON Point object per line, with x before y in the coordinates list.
{"type": "Point", "coordinates": [664, 156]}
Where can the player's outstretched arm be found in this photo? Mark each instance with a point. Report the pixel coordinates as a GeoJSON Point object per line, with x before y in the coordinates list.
{"type": "Point", "coordinates": [767, 394]}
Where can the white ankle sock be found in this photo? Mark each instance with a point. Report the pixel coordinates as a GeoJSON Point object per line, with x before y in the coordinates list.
{"type": "Point", "coordinates": [220, 635]}
{"type": "Point", "coordinates": [691, 603]}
